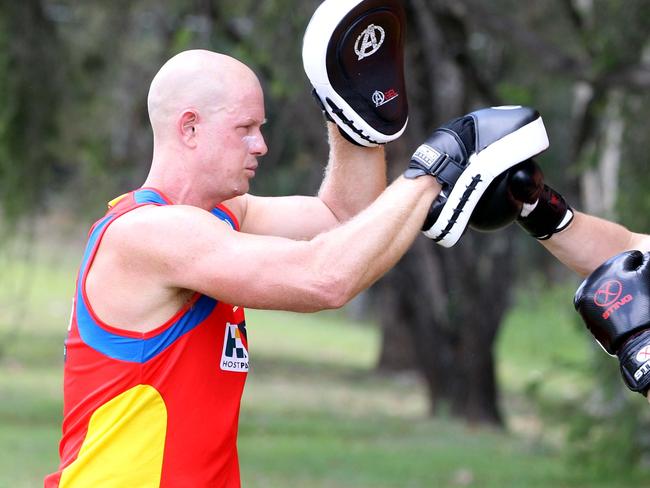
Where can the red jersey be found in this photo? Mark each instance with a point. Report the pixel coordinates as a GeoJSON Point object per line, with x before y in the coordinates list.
{"type": "Point", "coordinates": [153, 409]}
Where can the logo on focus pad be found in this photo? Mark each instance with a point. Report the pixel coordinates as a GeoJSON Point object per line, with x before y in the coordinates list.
{"type": "Point", "coordinates": [380, 98]}
{"type": "Point", "coordinates": [369, 41]}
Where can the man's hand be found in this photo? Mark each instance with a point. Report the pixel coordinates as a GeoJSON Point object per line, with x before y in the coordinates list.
{"type": "Point", "coordinates": [614, 302]}
{"type": "Point", "coordinates": [353, 54]}
{"type": "Point", "coordinates": [466, 154]}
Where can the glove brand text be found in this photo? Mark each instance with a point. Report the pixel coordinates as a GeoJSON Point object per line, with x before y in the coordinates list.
{"type": "Point", "coordinates": [616, 305]}
{"type": "Point", "coordinates": [642, 371]}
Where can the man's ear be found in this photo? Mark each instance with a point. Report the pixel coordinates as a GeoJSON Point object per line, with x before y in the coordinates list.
{"type": "Point", "coordinates": [188, 127]}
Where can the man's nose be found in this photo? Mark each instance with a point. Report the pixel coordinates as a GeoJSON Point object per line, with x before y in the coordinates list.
{"type": "Point", "coordinates": [258, 145]}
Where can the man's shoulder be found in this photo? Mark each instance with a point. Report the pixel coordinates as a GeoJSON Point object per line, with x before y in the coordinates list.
{"type": "Point", "coordinates": [151, 227]}
{"type": "Point", "coordinates": [151, 218]}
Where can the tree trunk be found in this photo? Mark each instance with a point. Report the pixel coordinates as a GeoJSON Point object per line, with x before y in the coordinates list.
{"type": "Point", "coordinates": [441, 308]}
{"type": "Point", "coordinates": [449, 312]}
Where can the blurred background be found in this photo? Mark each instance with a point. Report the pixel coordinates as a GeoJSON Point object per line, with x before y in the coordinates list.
{"type": "Point", "coordinates": [461, 367]}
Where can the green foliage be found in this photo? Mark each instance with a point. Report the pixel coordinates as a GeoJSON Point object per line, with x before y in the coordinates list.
{"type": "Point", "coordinates": [5, 92]}
{"type": "Point", "coordinates": [29, 87]}
{"type": "Point", "coordinates": [575, 388]}
{"type": "Point", "coordinates": [634, 196]}
{"type": "Point", "coordinates": [544, 317]}
{"type": "Point", "coordinates": [609, 442]}
{"type": "Point", "coordinates": [618, 34]}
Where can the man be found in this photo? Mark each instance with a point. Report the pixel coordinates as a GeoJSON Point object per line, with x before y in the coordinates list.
{"type": "Point", "coordinates": [157, 352]}
{"type": "Point", "coordinates": [154, 260]}
{"type": "Point", "coordinates": [614, 299]}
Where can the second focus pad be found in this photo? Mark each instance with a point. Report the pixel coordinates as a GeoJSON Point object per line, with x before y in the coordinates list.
{"type": "Point", "coordinates": [353, 54]}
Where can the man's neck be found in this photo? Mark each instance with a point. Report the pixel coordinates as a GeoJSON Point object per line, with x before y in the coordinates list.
{"type": "Point", "coordinates": [183, 195]}
{"type": "Point", "coordinates": [181, 189]}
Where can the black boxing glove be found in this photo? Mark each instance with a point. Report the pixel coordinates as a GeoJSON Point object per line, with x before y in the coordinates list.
{"type": "Point", "coordinates": [544, 216]}
{"type": "Point", "coordinates": [614, 303]}
{"type": "Point", "coordinates": [502, 202]}
{"type": "Point", "coordinates": [521, 192]}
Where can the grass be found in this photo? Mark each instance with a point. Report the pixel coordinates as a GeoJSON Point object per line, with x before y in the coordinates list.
{"type": "Point", "coordinates": [314, 414]}
{"type": "Point", "coordinates": [544, 352]}
{"type": "Point", "coordinates": [544, 334]}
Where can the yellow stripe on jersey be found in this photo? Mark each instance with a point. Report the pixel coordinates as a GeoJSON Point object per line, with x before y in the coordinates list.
{"type": "Point", "coordinates": [116, 200]}
{"type": "Point", "coordinates": [124, 445]}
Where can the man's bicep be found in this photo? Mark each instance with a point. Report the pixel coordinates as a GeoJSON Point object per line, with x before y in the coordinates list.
{"type": "Point", "coordinates": [294, 217]}
{"type": "Point", "coordinates": [192, 249]}
{"type": "Point", "coordinates": [205, 255]}
{"type": "Point", "coordinates": [165, 242]}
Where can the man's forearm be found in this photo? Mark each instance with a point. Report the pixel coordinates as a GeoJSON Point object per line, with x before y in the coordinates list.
{"type": "Point", "coordinates": [351, 257]}
{"type": "Point", "coordinates": [354, 178]}
{"type": "Point", "coordinates": [589, 241]}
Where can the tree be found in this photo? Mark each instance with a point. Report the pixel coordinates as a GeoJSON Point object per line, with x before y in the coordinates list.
{"type": "Point", "coordinates": [455, 298]}
{"type": "Point", "coordinates": [588, 67]}
{"type": "Point", "coordinates": [30, 87]}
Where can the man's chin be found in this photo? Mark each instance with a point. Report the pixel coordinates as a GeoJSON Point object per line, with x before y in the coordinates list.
{"type": "Point", "coordinates": [241, 189]}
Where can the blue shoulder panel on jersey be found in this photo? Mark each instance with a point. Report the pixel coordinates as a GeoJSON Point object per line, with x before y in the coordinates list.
{"type": "Point", "coordinates": [151, 196]}
{"type": "Point", "coordinates": [136, 349]}
{"type": "Point", "coordinates": [92, 240]}
{"type": "Point", "coordinates": [221, 215]}
{"type": "Point", "coordinates": [148, 196]}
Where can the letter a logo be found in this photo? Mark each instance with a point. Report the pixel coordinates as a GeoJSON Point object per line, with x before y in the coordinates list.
{"type": "Point", "coordinates": [369, 41]}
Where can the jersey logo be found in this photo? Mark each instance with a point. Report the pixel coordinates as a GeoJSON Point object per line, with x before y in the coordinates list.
{"type": "Point", "coordinates": [235, 355]}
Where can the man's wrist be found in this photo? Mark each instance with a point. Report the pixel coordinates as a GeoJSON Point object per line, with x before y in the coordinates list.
{"type": "Point", "coordinates": [549, 215]}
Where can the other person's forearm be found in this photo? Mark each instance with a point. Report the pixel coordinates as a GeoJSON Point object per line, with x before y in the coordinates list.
{"type": "Point", "coordinates": [588, 241]}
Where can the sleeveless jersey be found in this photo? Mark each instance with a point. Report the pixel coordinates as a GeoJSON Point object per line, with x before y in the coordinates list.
{"type": "Point", "coordinates": [153, 409]}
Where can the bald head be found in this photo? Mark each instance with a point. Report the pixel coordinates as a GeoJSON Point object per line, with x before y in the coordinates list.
{"type": "Point", "coordinates": [200, 80]}
{"type": "Point", "coordinates": [206, 111]}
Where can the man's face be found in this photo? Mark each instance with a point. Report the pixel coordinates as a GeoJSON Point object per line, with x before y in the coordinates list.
{"type": "Point", "coordinates": [235, 141]}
